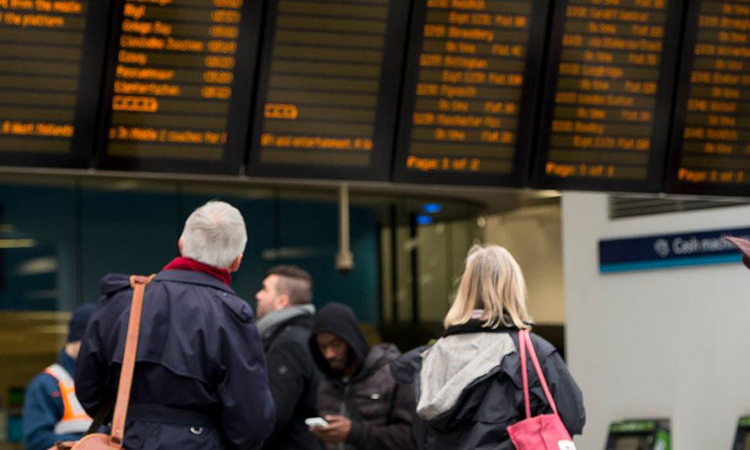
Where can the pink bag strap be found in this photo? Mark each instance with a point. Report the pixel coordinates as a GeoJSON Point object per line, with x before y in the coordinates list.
{"type": "Point", "coordinates": [524, 341]}
{"type": "Point", "coordinates": [524, 372]}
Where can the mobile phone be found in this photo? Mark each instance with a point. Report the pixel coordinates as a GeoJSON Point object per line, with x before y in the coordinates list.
{"type": "Point", "coordinates": [316, 422]}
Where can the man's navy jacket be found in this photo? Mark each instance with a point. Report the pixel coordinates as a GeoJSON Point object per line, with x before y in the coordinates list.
{"type": "Point", "coordinates": [200, 378]}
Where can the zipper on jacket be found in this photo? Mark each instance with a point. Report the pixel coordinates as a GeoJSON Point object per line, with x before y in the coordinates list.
{"type": "Point", "coordinates": [344, 410]}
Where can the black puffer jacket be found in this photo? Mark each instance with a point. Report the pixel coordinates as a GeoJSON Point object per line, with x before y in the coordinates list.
{"type": "Point", "coordinates": [381, 410]}
{"type": "Point", "coordinates": [469, 388]}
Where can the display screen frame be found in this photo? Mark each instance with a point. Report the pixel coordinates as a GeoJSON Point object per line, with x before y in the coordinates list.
{"type": "Point", "coordinates": [86, 113]}
{"type": "Point", "coordinates": [662, 114]}
{"type": "Point", "coordinates": [385, 118]}
{"type": "Point", "coordinates": [526, 118]}
{"type": "Point", "coordinates": [238, 117]}
{"type": "Point", "coordinates": [672, 185]}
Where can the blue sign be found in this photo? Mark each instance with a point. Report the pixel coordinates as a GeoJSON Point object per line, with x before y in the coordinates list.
{"type": "Point", "coordinates": [423, 219]}
{"type": "Point", "coordinates": [669, 250]}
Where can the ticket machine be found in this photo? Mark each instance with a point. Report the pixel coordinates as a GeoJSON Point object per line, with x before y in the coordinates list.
{"type": "Point", "coordinates": [641, 434]}
{"type": "Point", "coordinates": [742, 438]}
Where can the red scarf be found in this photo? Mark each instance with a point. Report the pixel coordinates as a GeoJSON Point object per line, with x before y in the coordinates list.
{"type": "Point", "coordinates": [181, 263]}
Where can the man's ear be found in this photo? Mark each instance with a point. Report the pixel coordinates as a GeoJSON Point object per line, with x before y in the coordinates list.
{"type": "Point", "coordinates": [283, 301]}
{"type": "Point", "coordinates": [236, 263]}
{"type": "Point", "coordinates": [179, 245]}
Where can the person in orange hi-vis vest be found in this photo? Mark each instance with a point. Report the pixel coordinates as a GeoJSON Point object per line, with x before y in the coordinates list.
{"type": "Point", "coordinates": [51, 411]}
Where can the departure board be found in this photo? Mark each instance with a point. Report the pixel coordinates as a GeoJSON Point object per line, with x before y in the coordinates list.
{"type": "Point", "coordinates": [711, 151]}
{"type": "Point", "coordinates": [180, 84]}
{"type": "Point", "coordinates": [51, 62]}
{"type": "Point", "coordinates": [327, 97]}
{"type": "Point", "coordinates": [606, 114]}
{"type": "Point", "coordinates": [468, 109]}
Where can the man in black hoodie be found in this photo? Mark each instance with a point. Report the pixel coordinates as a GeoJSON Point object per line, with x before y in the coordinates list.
{"type": "Point", "coordinates": [364, 407]}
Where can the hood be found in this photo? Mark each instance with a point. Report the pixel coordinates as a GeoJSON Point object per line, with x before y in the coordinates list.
{"type": "Point", "coordinates": [273, 320]}
{"type": "Point", "coordinates": [454, 364]}
{"type": "Point", "coordinates": [379, 356]}
{"type": "Point", "coordinates": [113, 282]}
{"type": "Point", "coordinates": [340, 320]}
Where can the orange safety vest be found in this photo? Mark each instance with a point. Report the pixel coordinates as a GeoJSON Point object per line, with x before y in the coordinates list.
{"type": "Point", "coordinates": [75, 419]}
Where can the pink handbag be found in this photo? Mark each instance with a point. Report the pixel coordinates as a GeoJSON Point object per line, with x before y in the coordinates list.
{"type": "Point", "coordinates": [543, 432]}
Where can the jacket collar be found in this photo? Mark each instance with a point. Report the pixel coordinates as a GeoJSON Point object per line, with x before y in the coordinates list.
{"type": "Point", "coordinates": [68, 363]}
{"type": "Point", "coordinates": [477, 326]}
{"type": "Point", "coordinates": [192, 277]}
{"type": "Point", "coordinates": [274, 320]}
{"type": "Point", "coordinates": [182, 263]}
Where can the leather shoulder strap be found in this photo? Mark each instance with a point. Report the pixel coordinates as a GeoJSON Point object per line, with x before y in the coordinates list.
{"type": "Point", "coordinates": [138, 283]}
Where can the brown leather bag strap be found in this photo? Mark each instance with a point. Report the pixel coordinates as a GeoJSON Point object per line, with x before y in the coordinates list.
{"type": "Point", "coordinates": [138, 283]}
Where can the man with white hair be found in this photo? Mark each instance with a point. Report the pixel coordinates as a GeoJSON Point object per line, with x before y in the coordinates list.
{"type": "Point", "coordinates": [200, 377]}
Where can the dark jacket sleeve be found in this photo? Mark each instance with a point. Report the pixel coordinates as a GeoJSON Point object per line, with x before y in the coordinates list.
{"type": "Point", "coordinates": [91, 370]}
{"type": "Point", "coordinates": [248, 410]}
{"type": "Point", "coordinates": [567, 394]}
{"type": "Point", "coordinates": [397, 434]}
{"type": "Point", "coordinates": [289, 367]}
{"type": "Point", "coordinates": [41, 412]}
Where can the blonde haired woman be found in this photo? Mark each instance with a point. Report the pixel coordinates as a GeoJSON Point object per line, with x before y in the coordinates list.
{"type": "Point", "coordinates": [468, 384]}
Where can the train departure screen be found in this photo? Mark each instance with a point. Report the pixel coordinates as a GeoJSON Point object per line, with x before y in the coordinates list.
{"type": "Point", "coordinates": [328, 92]}
{"type": "Point", "coordinates": [47, 61]}
{"type": "Point", "coordinates": [468, 108]}
{"type": "Point", "coordinates": [607, 110]}
{"type": "Point", "coordinates": [182, 73]}
{"type": "Point", "coordinates": [712, 129]}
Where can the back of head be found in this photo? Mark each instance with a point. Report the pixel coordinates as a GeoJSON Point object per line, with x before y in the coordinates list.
{"type": "Point", "coordinates": [78, 322]}
{"type": "Point", "coordinates": [492, 282]}
{"type": "Point", "coordinates": [340, 320]}
{"type": "Point", "coordinates": [214, 234]}
{"type": "Point", "coordinates": [294, 282]}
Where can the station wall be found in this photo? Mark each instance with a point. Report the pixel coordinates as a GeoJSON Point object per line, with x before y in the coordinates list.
{"type": "Point", "coordinates": [533, 236]}
{"type": "Point", "coordinates": [671, 342]}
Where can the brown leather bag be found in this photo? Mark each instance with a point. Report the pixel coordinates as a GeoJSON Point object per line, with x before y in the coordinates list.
{"type": "Point", "coordinates": [100, 441]}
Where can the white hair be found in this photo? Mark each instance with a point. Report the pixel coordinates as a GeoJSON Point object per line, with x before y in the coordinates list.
{"type": "Point", "coordinates": [214, 234]}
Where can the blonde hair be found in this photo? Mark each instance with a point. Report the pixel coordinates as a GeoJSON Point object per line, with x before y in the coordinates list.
{"type": "Point", "coordinates": [493, 282]}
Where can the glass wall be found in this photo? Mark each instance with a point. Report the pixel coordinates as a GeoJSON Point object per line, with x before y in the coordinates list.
{"type": "Point", "coordinates": [422, 257]}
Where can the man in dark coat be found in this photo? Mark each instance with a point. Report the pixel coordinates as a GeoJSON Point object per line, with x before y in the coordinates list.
{"type": "Point", "coordinates": [285, 316]}
{"type": "Point", "coordinates": [51, 411]}
{"type": "Point", "coordinates": [200, 376]}
{"type": "Point", "coordinates": [364, 407]}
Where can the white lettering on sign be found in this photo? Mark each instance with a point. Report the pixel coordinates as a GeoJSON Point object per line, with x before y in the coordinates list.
{"type": "Point", "coordinates": [692, 245]}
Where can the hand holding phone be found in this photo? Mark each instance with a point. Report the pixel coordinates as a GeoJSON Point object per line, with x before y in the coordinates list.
{"type": "Point", "coordinates": [316, 422]}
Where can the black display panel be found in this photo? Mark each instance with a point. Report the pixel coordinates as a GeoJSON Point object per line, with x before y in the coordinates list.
{"type": "Point", "coordinates": [470, 91]}
{"type": "Point", "coordinates": [179, 85]}
{"type": "Point", "coordinates": [328, 89]}
{"type": "Point", "coordinates": [711, 143]}
{"type": "Point", "coordinates": [632, 443]}
{"type": "Point", "coordinates": [742, 437]}
{"type": "Point", "coordinates": [606, 114]}
{"type": "Point", "coordinates": [51, 62]}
